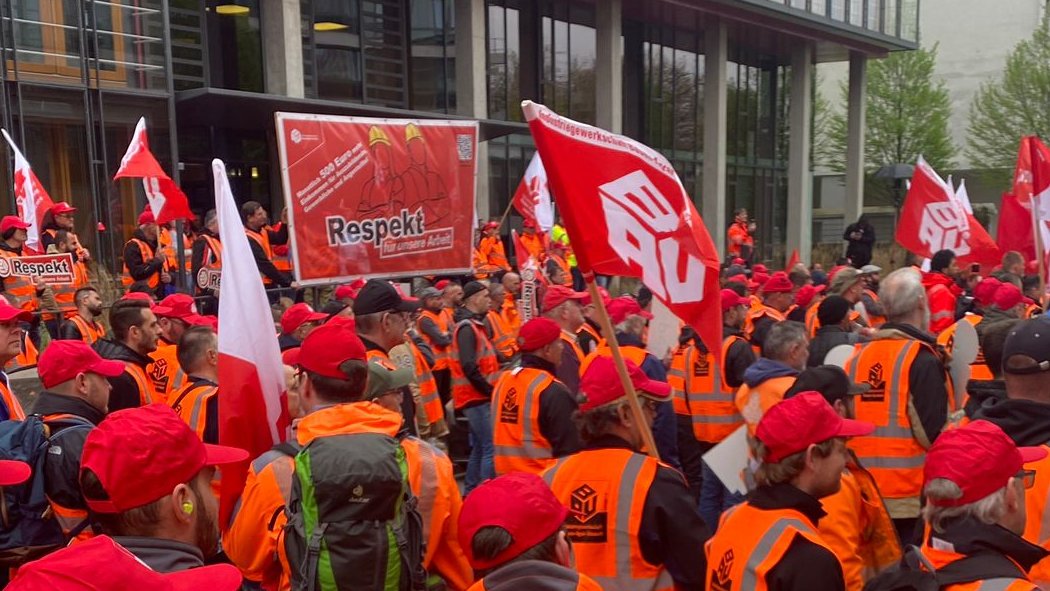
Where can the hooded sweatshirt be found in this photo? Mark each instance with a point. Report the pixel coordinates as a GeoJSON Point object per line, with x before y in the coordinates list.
{"type": "Point", "coordinates": [765, 369]}
{"type": "Point", "coordinates": [535, 575]}
{"type": "Point", "coordinates": [1025, 421]}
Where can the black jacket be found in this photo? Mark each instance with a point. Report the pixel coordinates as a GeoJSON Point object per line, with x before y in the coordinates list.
{"type": "Point", "coordinates": [983, 393]}
{"type": "Point", "coordinates": [671, 532]}
{"type": "Point", "coordinates": [535, 575]}
{"type": "Point", "coordinates": [739, 357]}
{"type": "Point", "coordinates": [68, 331]}
{"type": "Point", "coordinates": [197, 256]}
{"type": "Point", "coordinates": [286, 341]}
{"type": "Point", "coordinates": [969, 536]}
{"type": "Point", "coordinates": [859, 251]}
{"type": "Point", "coordinates": [927, 382]}
{"type": "Point", "coordinates": [139, 269]}
{"type": "Point", "coordinates": [805, 565]}
{"type": "Point", "coordinates": [466, 341]}
{"type": "Point", "coordinates": [826, 339]}
{"type": "Point", "coordinates": [761, 330]}
{"type": "Point", "coordinates": [62, 470]}
{"type": "Point", "coordinates": [1025, 421]}
{"type": "Point", "coordinates": [263, 262]}
{"type": "Point", "coordinates": [557, 407]}
{"type": "Point", "coordinates": [163, 556]}
{"type": "Point", "coordinates": [587, 342]}
{"type": "Point", "coordinates": [125, 392]}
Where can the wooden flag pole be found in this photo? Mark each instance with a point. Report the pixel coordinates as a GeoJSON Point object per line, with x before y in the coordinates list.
{"type": "Point", "coordinates": [621, 367]}
{"type": "Point", "coordinates": [506, 212]}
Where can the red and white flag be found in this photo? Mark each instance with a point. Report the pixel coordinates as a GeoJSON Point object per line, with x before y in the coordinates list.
{"type": "Point", "coordinates": [32, 200]}
{"type": "Point", "coordinates": [166, 199]}
{"type": "Point", "coordinates": [1033, 191]}
{"type": "Point", "coordinates": [533, 197]}
{"type": "Point", "coordinates": [1015, 227]}
{"type": "Point", "coordinates": [252, 410]}
{"type": "Point", "coordinates": [628, 214]}
{"type": "Point", "coordinates": [933, 218]}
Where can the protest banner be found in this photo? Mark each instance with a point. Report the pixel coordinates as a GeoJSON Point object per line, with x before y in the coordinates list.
{"type": "Point", "coordinates": [52, 268]}
{"type": "Point", "coordinates": [377, 197]}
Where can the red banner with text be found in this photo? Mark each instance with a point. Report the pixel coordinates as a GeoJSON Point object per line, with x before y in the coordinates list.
{"type": "Point", "coordinates": [377, 197]}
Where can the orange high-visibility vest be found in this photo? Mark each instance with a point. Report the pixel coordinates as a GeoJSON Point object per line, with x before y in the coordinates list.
{"type": "Point", "coordinates": [812, 324]}
{"type": "Point", "coordinates": [940, 558]}
{"type": "Point", "coordinates": [263, 240]}
{"type": "Point", "coordinates": [147, 255]}
{"type": "Point", "coordinates": [89, 332]}
{"type": "Point", "coordinates": [1032, 310]}
{"type": "Point", "coordinates": [164, 371]}
{"type": "Point", "coordinates": [875, 320]}
{"type": "Point", "coordinates": [1037, 517]}
{"type": "Point", "coordinates": [166, 243]}
{"type": "Point", "coordinates": [701, 392]}
{"type": "Point", "coordinates": [754, 314]}
{"type": "Point", "coordinates": [428, 390]}
{"type": "Point", "coordinates": [20, 287]}
{"type": "Point", "coordinates": [441, 320]}
{"type": "Point", "coordinates": [979, 369]}
{"type": "Point", "coordinates": [27, 358]}
{"type": "Point", "coordinates": [534, 246]}
{"type": "Point", "coordinates": [635, 354]}
{"type": "Point", "coordinates": [606, 491]}
{"type": "Point", "coordinates": [14, 408]}
{"type": "Point", "coordinates": [750, 542]}
{"type": "Point", "coordinates": [503, 337]}
{"type": "Point", "coordinates": [510, 314]}
{"type": "Point", "coordinates": [65, 292]}
{"type": "Point", "coordinates": [212, 253]}
{"type": "Point", "coordinates": [147, 393]}
{"type": "Point", "coordinates": [587, 328]}
{"type": "Point", "coordinates": [570, 341]}
{"type": "Point", "coordinates": [463, 392]}
{"type": "Point", "coordinates": [191, 404]}
{"type": "Point", "coordinates": [752, 403]}
{"type": "Point", "coordinates": [520, 445]}
{"type": "Point", "coordinates": [564, 266]}
{"type": "Point", "coordinates": [892, 454]}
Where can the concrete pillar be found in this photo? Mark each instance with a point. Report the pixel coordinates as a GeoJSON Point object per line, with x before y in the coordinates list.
{"type": "Point", "coordinates": [282, 42]}
{"type": "Point", "coordinates": [857, 109]}
{"type": "Point", "coordinates": [609, 66]}
{"type": "Point", "coordinates": [800, 177]}
{"type": "Point", "coordinates": [471, 86]}
{"type": "Point", "coordinates": [713, 206]}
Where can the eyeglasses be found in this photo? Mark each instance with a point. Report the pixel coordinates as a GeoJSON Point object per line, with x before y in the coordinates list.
{"type": "Point", "coordinates": [1027, 477]}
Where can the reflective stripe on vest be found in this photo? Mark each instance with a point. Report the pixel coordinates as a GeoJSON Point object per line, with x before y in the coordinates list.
{"type": "Point", "coordinates": [65, 292]}
{"type": "Point", "coordinates": [89, 333]}
{"type": "Point", "coordinates": [519, 444]}
{"type": "Point", "coordinates": [441, 354]}
{"type": "Point", "coordinates": [146, 392]}
{"type": "Point", "coordinates": [20, 287]}
{"type": "Point", "coordinates": [765, 546]}
{"type": "Point", "coordinates": [428, 392]}
{"type": "Point", "coordinates": [463, 392]}
{"type": "Point", "coordinates": [191, 404]}
{"type": "Point", "coordinates": [263, 240]}
{"type": "Point", "coordinates": [635, 354]}
{"type": "Point", "coordinates": [146, 251]}
{"type": "Point", "coordinates": [428, 483]}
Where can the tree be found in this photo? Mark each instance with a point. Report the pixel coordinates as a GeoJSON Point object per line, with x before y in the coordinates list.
{"type": "Point", "coordinates": [1015, 105]}
{"type": "Point", "coordinates": [907, 114]}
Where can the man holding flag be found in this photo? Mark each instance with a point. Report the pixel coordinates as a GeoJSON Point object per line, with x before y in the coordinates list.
{"type": "Point", "coordinates": [144, 264]}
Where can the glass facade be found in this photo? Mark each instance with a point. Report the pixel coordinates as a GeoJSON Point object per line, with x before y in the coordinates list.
{"type": "Point", "coordinates": [893, 18]}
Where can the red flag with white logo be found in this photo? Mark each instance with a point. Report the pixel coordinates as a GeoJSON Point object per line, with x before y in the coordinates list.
{"type": "Point", "coordinates": [166, 199]}
{"type": "Point", "coordinates": [934, 219]}
{"type": "Point", "coordinates": [533, 197]}
{"type": "Point", "coordinates": [252, 413]}
{"type": "Point", "coordinates": [628, 214]}
{"type": "Point", "coordinates": [32, 200]}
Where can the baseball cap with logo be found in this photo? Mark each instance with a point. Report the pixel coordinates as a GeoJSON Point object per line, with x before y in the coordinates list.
{"type": "Point", "coordinates": [521, 504]}
{"type": "Point", "coordinates": [559, 294]}
{"type": "Point", "coordinates": [141, 454]}
{"type": "Point", "coordinates": [979, 458]}
{"type": "Point", "coordinates": [1027, 347]}
{"type": "Point", "coordinates": [12, 221]}
{"type": "Point", "coordinates": [730, 300]}
{"type": "Point", "coordinates": [297, 315]}
{"type": "Point", "coordinates": [792, 425]}
{"type": "Point", "coordinates": [63, 359]}
{"type": "Point", "coordinates": [329, 346]}
{"type": "Point", "coordinates": [600, 384]}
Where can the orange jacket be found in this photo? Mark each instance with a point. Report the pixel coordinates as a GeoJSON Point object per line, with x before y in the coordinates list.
{"type": "Point", "coordinates": [509, 312]}
{"type": "Point", "coordinates": [738, 235]}
{"type": "Point", "coordinates": [534, 246]}
{"type": "Point", "coordinates": [858, 528]}
{"type": "Point", "coordinates": [1037, 499]}
{"type": "Point", "coordinates": [254, 540]}
{"type": "Point", "coordinates": [491, 253]}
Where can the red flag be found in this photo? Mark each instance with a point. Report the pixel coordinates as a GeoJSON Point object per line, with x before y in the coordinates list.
{"type": "Point", "coordinates": [252, 413]}
{"type": "Point", "coordinates": [932, 219]}
{"type": "Point", "coordinates": [627, 214]}
{"type": "Point", "coordinates": [792, 261]}
{"type": "Point", "coordinates": [1038, 201]}
{"type": "Point", "coordinates": [1015, 227]}
{"type": "Point", "coordinates": [532, 199]}
{"type": "Point", "coordinates": [166, 199]}
{"type": "Point", "coordinates": [32, 200]}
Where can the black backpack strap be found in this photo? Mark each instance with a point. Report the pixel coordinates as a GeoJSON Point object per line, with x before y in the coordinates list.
{"type": "Point", "coordinates": [287, 448]}
{"type": "Point", "coordinates": [979, 566]}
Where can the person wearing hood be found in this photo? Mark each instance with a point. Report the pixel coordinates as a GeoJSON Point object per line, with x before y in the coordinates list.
{"type": "Point", "coordinates": [861, 238]}
{"type": "Point", "coordinates": [135, 335]}
{"type": "Point", "coordinates": [942, 292]}
{"type": "Point", "coordinates": [513, 531]}
{"type": "Point", "coordinates": [986, 392]}
{"type": "Point", "coordinates": [766, 381]}
{"type": "Point", "coordinates": [836, 329]}
{"type": "Point", "coordinates": [975, 482]}
{"type": "Point", "coordinates": [143, 260]}
{"type": "Point", "coordinates": [1025, 417]}
{"type": "Point", "coordinates": [1007, 304]}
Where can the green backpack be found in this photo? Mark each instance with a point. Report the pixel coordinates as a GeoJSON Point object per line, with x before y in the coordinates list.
{"type": "Point", "coordinates": [352, 517]}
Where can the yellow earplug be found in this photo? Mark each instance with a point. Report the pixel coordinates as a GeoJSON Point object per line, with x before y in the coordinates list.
{"type": "Point", "coordinates": [187, 508]}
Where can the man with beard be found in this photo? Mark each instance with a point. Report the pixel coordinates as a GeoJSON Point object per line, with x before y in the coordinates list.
{"type": "Point", "coordinates": [143, 261]}
{"type": "Point", "coordinates": [135, 334]}
{"type": "Point", "coordinates": [941, 290]}
{"type": "Point", "coordinates": [147, 480]}
{"type": "Point", "coordinates": [84, 324]}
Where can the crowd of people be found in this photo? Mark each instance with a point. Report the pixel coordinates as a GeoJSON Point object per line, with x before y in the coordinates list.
{"type": "Point", "coordinates": [474, 432]}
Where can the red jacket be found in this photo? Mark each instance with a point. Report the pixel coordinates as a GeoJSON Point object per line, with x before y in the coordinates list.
{"type": "Point", "coordinates": [941, 291]}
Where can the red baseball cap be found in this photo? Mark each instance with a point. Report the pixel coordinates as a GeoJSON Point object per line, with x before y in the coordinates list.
{"type": "Point", "coordinates": [345, 291]}
{"type": "Point", "coordinates": [984, 292]}
{"type": "Point", "coordinates": [602, 293]}
{"type": "Point", "coordinates": [559, 294]}
{"type": "Point", "coordinates": [730, 300]}
{"type": "Point", "coordinates": [600, 384]}
{"type": "Point", "coordinates": [329, 346]}
{"type": "Point", "coordinates": [290, 356]}
{"type": "Point", "coordinates": [62, 360]}
{"type": "Point", "coordinates": [141, 454]}
{"type": "Point", "coordinates": [490, 225]}
{"type": "Point", "coordinates": [538, 332]}
{"type": "Point", "coordinates": [180, 306]}
{"type": "Point", "coordinates": [806, 293]}
{"type": "Point", "coordinates": [529, 224]}
{"type": "Point", "coordinates": [9, 312]}
{"type": "Point", "coordinates": [777, 283]}
{"type": "Point", "coordinates": [14, 472]}
{"type": "Point", "coordinates": [101, 564]}
{"type": "Point", "coordinates": [979, 458]}
{"type": "Point", "coordinates": [146, 217]}
{"type": "Point", "coordinates": [739, 261]}
{"type": "Point", "coordinates": [297, 315]}
{"type": "Point", "coordinates": [625, 306]}
{"type": "Point", "coordinates": [792, 425]}
{"type": "Point", "coordinates": [61, 208]}
{"type": "Point", "coordinates": [751, 285]}
{"type": "Point", "coordinates": [1007, 296]}
{"type": "Point", "coordinates": [759, 268]}
{"type": "Point", "coordinates": [520, 503]}
{"type": "Point", "coordinates": [442, 284]}
{"type": "Point", "coordinates": [12, 221]}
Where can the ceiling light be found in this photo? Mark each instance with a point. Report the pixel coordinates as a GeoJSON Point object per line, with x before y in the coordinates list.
{"type": "Point", "coordinates": [232, 9]}
{"type": "Point", "coordinates": [325, 26]}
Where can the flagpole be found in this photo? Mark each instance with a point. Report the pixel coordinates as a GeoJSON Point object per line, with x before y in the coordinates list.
{"type": "Point", "coordinates": [1040, 255]}
{"type": "Point", "coordinates": [506, 212]}
{"type": "Point", "coordinates": [621, 367]}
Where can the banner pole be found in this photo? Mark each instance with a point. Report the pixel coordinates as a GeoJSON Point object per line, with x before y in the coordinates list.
{"type": "Point", "coordinates": [506, 212]}
{"type": "Point", "coordinates": [621, 367]}
{"type": "Point", "coordinates": [1040, 256]}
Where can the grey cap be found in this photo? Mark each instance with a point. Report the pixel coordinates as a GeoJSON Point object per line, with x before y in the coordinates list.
{"type": "Point", "coordinates": [382, 379]}
{"type": "Point", "coordinates": [429, 292]}
{"type": "Point", "coordinates": [843, 280]}
{"type": "Point", "coordinates": [869, 269]}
